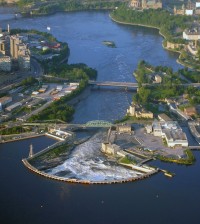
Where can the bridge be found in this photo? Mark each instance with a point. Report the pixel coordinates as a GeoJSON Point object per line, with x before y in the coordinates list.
{"type": "Point", "coordinates": [98, 123]}
{"type": "Point", "coordinates": [114, 84]}
{"type": "Point", "coordinates": [134, 85]}
{"type": "Point", "coordinates": [95, 123]}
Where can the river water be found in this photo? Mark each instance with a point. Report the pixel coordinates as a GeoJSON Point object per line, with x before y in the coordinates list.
{"type": "Point", "coordinates": [28, 198]}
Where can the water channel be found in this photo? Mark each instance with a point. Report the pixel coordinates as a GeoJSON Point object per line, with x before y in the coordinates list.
{"type": "Point", "coordinates": [28, 198]}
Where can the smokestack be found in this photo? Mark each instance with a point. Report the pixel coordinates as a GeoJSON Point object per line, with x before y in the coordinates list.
{"type": "Point", "coordinates": [8, 28]}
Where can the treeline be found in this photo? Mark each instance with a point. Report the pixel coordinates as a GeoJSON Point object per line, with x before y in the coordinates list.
{"type": "Point", "coordinates": [167, 23]}
{"type": "Point", "coordinates": [193, 76]}
{"type": "Point", "coordinates": [14, 130]}
{"type": "Point", "coordinates": [71, 72]}
{"type": "Point", "coordinates": [67, 5]}
{"type": "Point", "coordinates": [28, 81]}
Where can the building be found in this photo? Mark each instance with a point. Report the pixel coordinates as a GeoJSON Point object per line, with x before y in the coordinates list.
{"type": "Point", "coordinates": [5, 63]}
{"type": "Point", "coordinates": [190, 111]}
{"type": "Point", "coordinates": [3, 47]}
{"type": "Point", "coordinates": [4, 101]}
{"type": "Point", "coordinates": [110, 149]}
{"type": "Point", "coordinates": [192, 34]}
{"type": "Point", "coordinates": [13, 107]}
{"type": "Point", "coordinates": [24, 62]}
{"type": "Point", "coordinates": [148, 129]}
{"type": "Point", "coordinates": [14, 42]}
{"type": "Point", "coordinates": [175, 138]}
{"type": "Point", "coordinates": [126, 128]}
{"type": "Point", "coordinates": [197, 4]}
{"type": "Point", "coordinates": [139, 112]}
{"type": "Point", "coordinates": [171, 132]}
{"type": "Point", "coordinates": [146, 4]}
{"type": "Point", "coordinates": [179, 11]}
{"type": "Point", "coordinates": [136, 4]}
{"type": "Point", "coordinates": [164, 117]}
{"type": "Point", "coordinates": [157, 130]}
{"type": "Point", "coordinates": [173, 45]}
{"type": "Point", "coordinates": [188, 9]}
{"type": "Point", "coordinates": [158, 79]}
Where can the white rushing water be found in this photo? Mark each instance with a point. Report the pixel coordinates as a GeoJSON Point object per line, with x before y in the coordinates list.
{"type": "Point", "coordinates": [87, 162]}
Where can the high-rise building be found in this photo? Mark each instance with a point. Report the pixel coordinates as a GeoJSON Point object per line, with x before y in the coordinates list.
{"type": "Point", "coordinates": [14, 41]}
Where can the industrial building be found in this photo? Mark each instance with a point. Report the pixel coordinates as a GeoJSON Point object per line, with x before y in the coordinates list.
{"type": "Point", "coordinates": [171, 132]}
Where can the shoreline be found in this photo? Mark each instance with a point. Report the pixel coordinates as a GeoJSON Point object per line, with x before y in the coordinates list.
{"type": "Point", "coordinates": [153, 27]}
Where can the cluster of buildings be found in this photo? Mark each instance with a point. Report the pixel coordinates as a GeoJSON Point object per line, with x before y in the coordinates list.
{"type": "Point", "coordinates": [146, 4]}
{"type": "Point", "coordinates": [58, 134]}
{"type": "Point", "coordinates": [188, 9]}
{"type": "Point", "coordinates": [185, 114]}
{"type": "Point", "coordinates": [170, 131]}
{"type": "Point", "coordinates": [55, 92]}
{"type": "Point", "coordinates": [13, 49]}
{"type": "Point", "coordinates": [139, 112]}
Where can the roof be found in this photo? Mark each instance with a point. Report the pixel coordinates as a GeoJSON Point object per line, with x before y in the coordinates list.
{"type": "Point", "coordinates": [5, 98]}
{"type": "Point", "coordinates": [190, 110]}
{"type": "Point", "coordinates": [164, 117]}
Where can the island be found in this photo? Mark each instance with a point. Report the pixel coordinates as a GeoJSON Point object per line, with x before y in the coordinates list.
{"type": "Point", "coordinates": [109, 43]}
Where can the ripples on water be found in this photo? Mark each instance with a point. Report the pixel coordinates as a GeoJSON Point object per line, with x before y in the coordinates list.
{"type": "Point", "coordinates": [87, 162]}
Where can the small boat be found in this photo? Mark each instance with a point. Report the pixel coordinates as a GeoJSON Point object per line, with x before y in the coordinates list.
{"type": "Point", "coordinates": [48, 28]}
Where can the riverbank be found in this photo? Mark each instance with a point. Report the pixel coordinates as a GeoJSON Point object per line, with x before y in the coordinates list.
{"type": "Point", "coordinates": [154, 27]}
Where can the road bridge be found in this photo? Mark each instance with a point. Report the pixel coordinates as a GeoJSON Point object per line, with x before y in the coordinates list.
{"type": "Point", "coordinates": [95, 123]}
{"type": "Point", "coordinates": [114, 84]}
{"type": "Point", "coordinates": [133, 85]}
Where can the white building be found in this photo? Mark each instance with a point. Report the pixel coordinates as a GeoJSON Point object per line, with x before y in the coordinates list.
{"type": "Point", "coordinates": [197, 4]}
{"type": "Point", "coordinates": [191, 34]}
{"type": "Point", "coordinates": [171, 132]}
{"type": "Point", "coordinates": [189, 12]}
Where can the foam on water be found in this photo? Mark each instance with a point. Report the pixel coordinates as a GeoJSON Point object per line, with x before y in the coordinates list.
{"type": "Point", "coordinates": [87, 162]}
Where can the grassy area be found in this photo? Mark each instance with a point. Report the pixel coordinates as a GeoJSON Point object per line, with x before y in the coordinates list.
{"type": "Point", "coordinates": [127, 160]}
{"type": "Point", "coordinates": [188, 161]}
{"type": "Point", "coordinates": [55, 152]}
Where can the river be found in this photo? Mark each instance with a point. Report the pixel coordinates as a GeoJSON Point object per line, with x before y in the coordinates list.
{"type": "Point", "coordinates": [28, 198]}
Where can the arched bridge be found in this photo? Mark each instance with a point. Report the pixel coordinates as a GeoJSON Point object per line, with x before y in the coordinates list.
{"type": "Point", "coordinates": [98, 123]}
